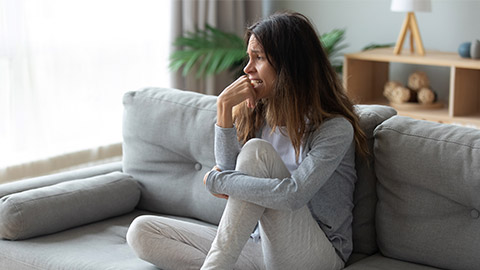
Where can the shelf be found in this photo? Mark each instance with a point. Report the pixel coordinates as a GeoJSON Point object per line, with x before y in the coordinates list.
{"type": "Point", "coordinates": [431, 58]}
{"type": "Point", "coordinates": [440, 115]}
{"type": "Point", "coordinates": [366, 73]}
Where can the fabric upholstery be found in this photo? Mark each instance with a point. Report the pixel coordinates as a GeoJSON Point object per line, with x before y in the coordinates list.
{"type": "Point", "coordinates": [379, 262]}
{"type": "Point", "coordinates": [100, 245]}
{"type": "Point", "coordinates": [428, 189]}
{"type": "Point", "coordinates": [365, 197]}
{"type": "Point", "coordinates": [58, 207]}
{"type": "Point", "coordinates": [52, 179]}
{"type": "Point", "coordinates": [168, 147]}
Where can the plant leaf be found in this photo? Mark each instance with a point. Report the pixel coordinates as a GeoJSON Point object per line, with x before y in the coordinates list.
{"type": "Point", "coordinates": [332, 44]}
{"type": "Point", "coordinates": [212, 50]}
{"type": "Point", "coordinates": [203, 65]}
{"type": "Point", "coordinates": [193, 59]}
{"type": "Point", "coordinates": [375, 46]}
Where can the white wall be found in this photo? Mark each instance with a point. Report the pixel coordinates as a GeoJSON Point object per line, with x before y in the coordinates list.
{"type": "Point", "coordinates": [450, 23]}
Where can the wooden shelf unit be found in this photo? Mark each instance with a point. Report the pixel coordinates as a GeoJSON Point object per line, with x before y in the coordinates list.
{"type": "Point", "coordinates": [365, 74]}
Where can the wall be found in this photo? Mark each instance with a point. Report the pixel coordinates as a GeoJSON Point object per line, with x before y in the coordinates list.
{"type": "Point", "coordinates": [450, 23]}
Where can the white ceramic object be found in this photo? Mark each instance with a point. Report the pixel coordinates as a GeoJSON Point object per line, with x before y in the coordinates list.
{"type": "Point", "coordinates": [475, 49]}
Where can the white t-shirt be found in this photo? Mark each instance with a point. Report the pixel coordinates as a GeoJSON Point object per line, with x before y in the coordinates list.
{"type": "Point", "coordinates": [282, 144]}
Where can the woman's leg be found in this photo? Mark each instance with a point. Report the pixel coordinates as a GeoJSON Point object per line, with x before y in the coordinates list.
{"type": "Point", "coordinates": [238, 221]}
{"type": "Point", "coordinates": [174, 244]}
{"type": "Point", "coordinates": [293, 240]}
{"type": "Point", "coordinates": [290, 239]}
{"type": "Point", "coordinates": [169, 243]}
{"type": "Point", "coordinates": [257, 158]}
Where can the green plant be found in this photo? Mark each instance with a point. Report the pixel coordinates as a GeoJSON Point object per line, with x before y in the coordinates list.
{"type": "Point", "coordinates": [372, 46]}
{"type": "Point", "coordinates": [213, 51]}
{"type": "Point", "coordinates": [332, 43]}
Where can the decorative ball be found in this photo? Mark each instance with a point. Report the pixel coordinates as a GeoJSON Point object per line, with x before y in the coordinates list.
{"type": "Point", "coordinates": [388, 89]}
{"type": "Point", "coordinates": [464, 49]}
{"type": "Point", "coordinates": [401, 94]}
{"type": "Point", "coordinates": [417, 80]}
{"type": "Point", "coordinates": [426, 96]}
{"type": "Point", "coordinates": [475, 49]}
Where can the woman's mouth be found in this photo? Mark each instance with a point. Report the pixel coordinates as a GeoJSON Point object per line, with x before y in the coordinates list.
{"type": "Point", "coordinates": [256, 83]}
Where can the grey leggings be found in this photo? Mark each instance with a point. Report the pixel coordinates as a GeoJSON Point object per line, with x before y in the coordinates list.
{"type": "Point", "coordinates": [289, 239]}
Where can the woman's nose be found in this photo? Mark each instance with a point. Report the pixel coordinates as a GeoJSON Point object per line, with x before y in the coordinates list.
{"type": "Point", "coordinates": [248, 68]}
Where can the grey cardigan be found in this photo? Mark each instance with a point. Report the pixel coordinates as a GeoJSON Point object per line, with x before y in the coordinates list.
{"type": "Point", "coordinates": [325, 180]}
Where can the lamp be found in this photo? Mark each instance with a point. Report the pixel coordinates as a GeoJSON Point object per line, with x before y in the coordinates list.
{"type": "Point", "coordinates": [410, 23]}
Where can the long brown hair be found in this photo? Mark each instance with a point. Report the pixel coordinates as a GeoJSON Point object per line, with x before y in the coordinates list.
{"type": "Point", "coordinates": [307, 90]}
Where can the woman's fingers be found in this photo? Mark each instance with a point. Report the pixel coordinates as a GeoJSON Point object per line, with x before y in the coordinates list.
{"type": "Point", "coordinates": [221, 196]}
{"type": "Point", "coordinates": [239, 91]}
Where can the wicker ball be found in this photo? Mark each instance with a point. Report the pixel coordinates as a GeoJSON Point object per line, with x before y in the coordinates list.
{"type": "Point", "coordinates": [401, 94]}
{"type": "Point", "coordinates": [388, 89]}
{"type": "Point", "coordinates": [426, 96]}
{"type": "Point", "coordinates": [418, 80]}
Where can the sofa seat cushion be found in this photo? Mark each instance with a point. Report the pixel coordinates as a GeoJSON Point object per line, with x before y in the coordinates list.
{"type": "Point", "coordinates": [428, 192]}
{"type": "Point", "coordinates": [54, 208]}
{"type": "Point", "coordinates": [379, 262]}
{"type": "Point", "coordinates": [100, 245]}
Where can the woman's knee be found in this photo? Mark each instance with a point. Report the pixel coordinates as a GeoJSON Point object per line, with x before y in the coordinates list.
{"type": "Point", "coordinates": [137, 232]}
{"type": "Point", "coordinates": [134, 230]}
{"type": "Point", "coordinates": [254, 153]}
{"type": "Point", "coordinates": [257, 145]}
{"type": "Point", "coordinates": [259, 158]}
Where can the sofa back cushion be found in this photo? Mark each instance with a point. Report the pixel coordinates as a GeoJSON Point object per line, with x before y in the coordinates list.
{"type": "Point", "coordinates": [428, 190]}
{"type": "Point", "coordinates": [365, 197]}
{"type": "Point", "coordinates": [168, 147]}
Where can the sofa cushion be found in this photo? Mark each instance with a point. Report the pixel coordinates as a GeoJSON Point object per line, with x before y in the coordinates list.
{"type": "Point", "coordinates": [428, 189]}
{"type": "Point", "coordinates": [379, 262]}
{"type": "Point", "coordinates": [365, 197]}
{"type": "Point", "coordinates": [168, 139]}
{"type": "Point", "coordinates": [100, 245]}
{"type": "Point", "coordinates": [52, 179]}
{"type": "Point", "coordinates": [65, 205]}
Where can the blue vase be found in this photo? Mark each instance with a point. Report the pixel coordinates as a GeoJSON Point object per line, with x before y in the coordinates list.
{"type": "Point", "coordinates": [464, 49]}
{"type": "Point", "coordinates": [475, 49]}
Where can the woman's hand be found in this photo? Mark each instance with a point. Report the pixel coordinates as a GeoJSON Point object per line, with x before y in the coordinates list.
{"type": "Point", "coordinates": [239, 91]}
{"type": "Point", "coordinates": [221, 196]}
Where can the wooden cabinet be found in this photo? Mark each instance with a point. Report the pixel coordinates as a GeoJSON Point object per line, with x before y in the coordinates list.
{"type": "Point", "coordinates": [365, 75]}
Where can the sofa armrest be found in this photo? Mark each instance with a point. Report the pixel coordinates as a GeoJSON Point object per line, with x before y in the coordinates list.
{"type": "Point", "coordinates": [48, 180]}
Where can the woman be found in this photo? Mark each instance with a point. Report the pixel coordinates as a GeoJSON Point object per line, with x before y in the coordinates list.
{"type": "Point", "coordinates": [294, 186]}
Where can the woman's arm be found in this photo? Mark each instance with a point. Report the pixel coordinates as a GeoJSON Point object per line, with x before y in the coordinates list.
{"type": "Point", "coordinates": [227, 146]}
{"type": "Point", "coordinates": [329, 146]}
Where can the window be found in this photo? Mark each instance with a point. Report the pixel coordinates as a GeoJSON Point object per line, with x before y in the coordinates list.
{"type": "Point", "coordinates": [64, 66]}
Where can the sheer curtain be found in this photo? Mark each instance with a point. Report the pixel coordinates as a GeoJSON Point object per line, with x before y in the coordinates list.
{"type": "Point", "coordinates": [64, 66]}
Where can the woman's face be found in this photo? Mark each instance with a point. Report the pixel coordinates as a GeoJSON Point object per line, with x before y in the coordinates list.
{"type": "Point", "coordinates": [260, 72]}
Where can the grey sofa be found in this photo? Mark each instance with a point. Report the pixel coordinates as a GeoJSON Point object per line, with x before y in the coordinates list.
{"type": "Point", "coordinates": [417, 198]}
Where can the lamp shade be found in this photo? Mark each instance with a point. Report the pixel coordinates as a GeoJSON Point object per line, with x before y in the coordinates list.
{"type": "Point", "coordinates": [411, 5]}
